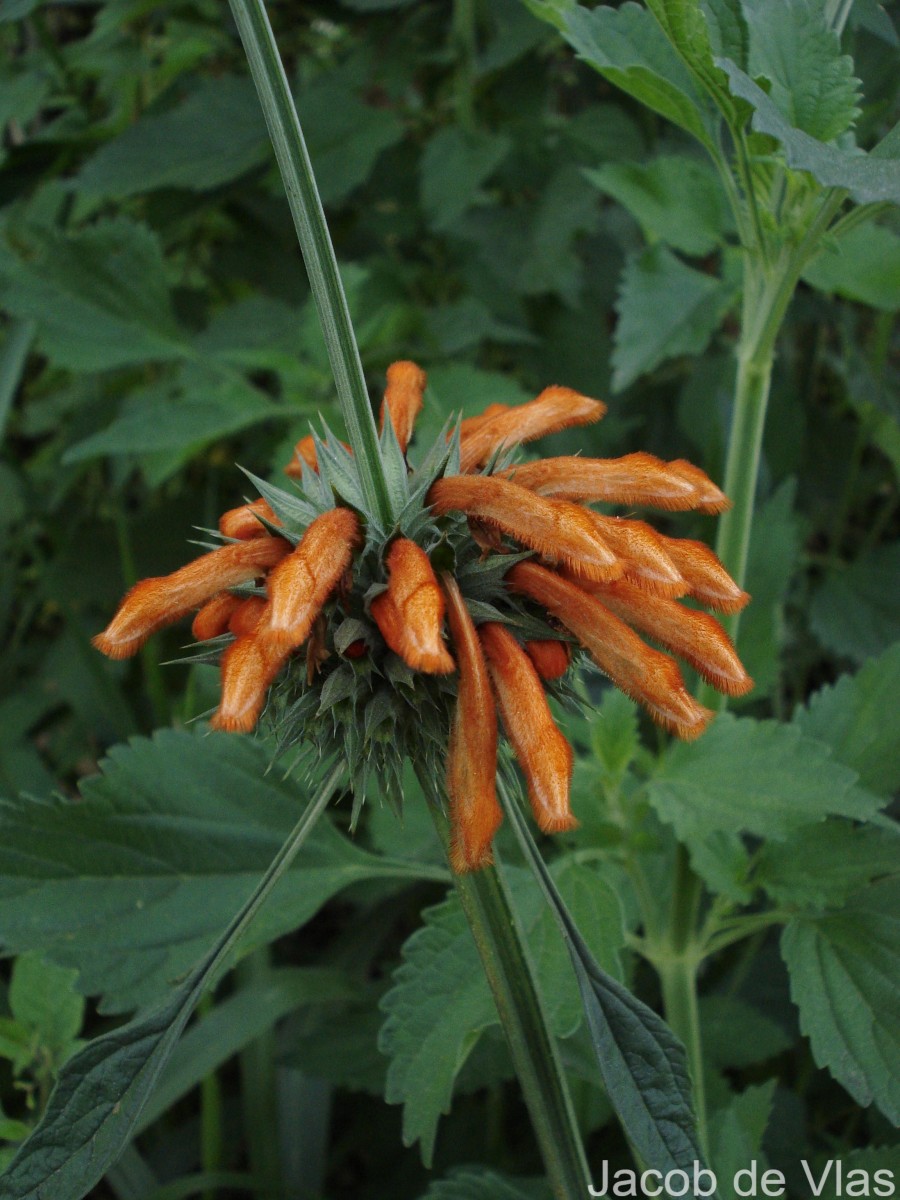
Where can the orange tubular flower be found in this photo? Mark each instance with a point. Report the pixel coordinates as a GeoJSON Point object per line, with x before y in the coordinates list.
{"type": "Point", "coordinates": [543, 753]}
{"type": "Point", "coordinates": [154, 603]}
{"type": "Point", "coordinates": [409, 615]}
{"type": "Point", "coordinates": [403, 399]}
{"type": "Point", "coordinates": [356, 588]}
{"type": "Point", "coordinates": [646, 675]}
{"type": "Point", "coordinates": [304, 580]}
{"type": "Point", "coordinates": [552, 527]}
{"type": "Point", "coordinates": [472, 753]}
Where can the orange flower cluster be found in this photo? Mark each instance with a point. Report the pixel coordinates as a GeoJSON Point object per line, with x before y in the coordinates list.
{"type": "Point", "coordinates": [596, 579]}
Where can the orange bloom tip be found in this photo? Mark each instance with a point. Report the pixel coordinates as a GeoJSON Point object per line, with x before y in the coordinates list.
{"type": "Point", "coordinates": [555, 409]}
{"type": "Point", "coordinates": [249, 667]}
{"type": "Point", "coordinates": [403, 399]}
{"type": "Point", "coordinates": [551, 659]}
{"type": "Point", "coordinates": [707, 497]}
{"type": "Point", "coordinates": [213, 618]}
{"type": "Point", "coordinates": [641, 553]}
{"type": "Point", "coordinates": [243, 522]}
{"type": "Point", "coordinates": [707, 579]}
{"type": "Point", "coordinates": [117, 649]}
{"type": "Point", "coordinates": [552, 823]}
{"type": "Point", "coordinates": [465, 858]}
{"type": "Point", "coordinates": [410, 614]}
{"type": "Point", "coordinates": [246, 616]}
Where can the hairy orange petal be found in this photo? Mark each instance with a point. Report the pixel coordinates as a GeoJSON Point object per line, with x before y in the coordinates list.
{"type": "Point", "coordinates": [643, 556]}
{"type": "Point", "coordinates": [243, 522]}
{"type": "Point", "coordinates": [694, 636]}
{"type": "Point", "coordinates": [554, 409]}
{"type": "Point", "coordinates": [543, 753]}
{"type": "Point", "coordinates": [648, 676]}
{"type": "Point", "coordinates": [558, 530]}
{"type": "Point", "coordinates": [300, 585]}
{"type": "Point", "coordinates": [475, 814]}
{"type": "Point", "coordinates": [247, 616]}
{"type": "Point", "coordinates": [403, 398]}
{"type": "Point", "coordinates": [551, 658]}
{"type": "Point", "coordinates": [249, 666]}
{"type": "Point", "coordinates": [633, 479]}
{"type": "Point", "coordinates": [706, 577]}
{"type": "Point", "coordinates": [212, 619]}
{"type": "Point", "coordinates": [155, 603]}
{"type": "Point", "coordinates": [411, 612]}
{"type": "Point", "coordinates": [305, 450]}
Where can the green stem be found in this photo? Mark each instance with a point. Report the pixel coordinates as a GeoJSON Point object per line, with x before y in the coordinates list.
{"type": "Point", "coordinates": [259, 1096]}
{"type": "Point", "coordinates": [501, 946]}
{"type": "Point", "coordinates": [315, 242]}
{"type": "Point", "coordinates": [211, 1116]}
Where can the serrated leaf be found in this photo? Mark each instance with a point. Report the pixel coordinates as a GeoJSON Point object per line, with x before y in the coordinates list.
{"type": "Point", "coordinates": [824, 864]}
{"type": "Point", "coordinates": [728, 33]}
{"type": "Point", "coordinates": [757, 776]}
{"type": "Point", "coordinates": [686, 27]}
{"type": "Point", "coordinates": [130, 885]}
{"type": "Point", "coordinates": [859, 718]}
{"type": "Point", "coordinates": [864, 265]}
{"type": "Point", "coordinates": [102, 1089]}
{"type": "Point", "coordinates": [868, 178]}
{"type": "Point", "coordinates": [628, 47]}
{"type": "Point", "coordinates": [440, 1002]}
{"type": "Point", "coordinates": [811, 83]}
{"type": "Point", "coordinates": [844, 968]}
{"type": "Point", "coordinates": [665, 309]}
{"type": "Point", "coordinates": [215, 135]}
{"type": "Point", "coordinates": [43, 998]}
{"type": "Point", "coordinates": [454, 165]}
{"type": "Point", "coordinates": [673, 197]}
{"type": "Point", "coordinates": [736, 1135]}
{"type": "Point", "coordinates": [854, 612]}
{"type": "Point", "coordinates": [99, 295]}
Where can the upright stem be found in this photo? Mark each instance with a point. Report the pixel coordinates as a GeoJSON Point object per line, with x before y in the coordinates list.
{"type": "Point", "coordinates": [258, 1090]}
{"type": "Point", "coordinates": [510, 974]}
{"type": "Point", "coordinates": [315, 242]}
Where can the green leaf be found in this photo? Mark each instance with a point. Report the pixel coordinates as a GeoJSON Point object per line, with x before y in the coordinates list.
{"type": "Point", "coordinates": [235, 1022]}
{"type": "Point", "coordinates": [824, 864]}
{"type": "Point", "coordinates": [567, 208]}
{"type": "Point", "coordinates": [130, 885]}
{"type": "Point", "coordinates": [628, 47]}
{"type": "Point", "coordinates": [217, 134]}
{"type": "Point", "coordinates": [859, 718]}
{"type": "Point", "coordinates": [685, 25]}
{"type": "Point", "coordinates": [43, 998]}
{"type": "Point", "coordinates": [872, 1159]}
{"type": "Point", "coordinates": [99, 295]}
{"type": "Point", "coordinates": [728, 33]}
{"type": "Point", "coordinates": [440, 1002]}
{"type": "Point", "coordinates": [757, 776]}
{"type": "Point", "coordinates": [844, 968]}
{"type": "Point", "coordinates": [673, 197]}
{"type": "Point", "coordinates": [812, 83]}
{"type": "Point", "coordinates": [862, 265]}
{"type": "Point", "coordinates": [454, 165]}
{"type": "Point", "coordinates": [854, 612]}
{"type": "Point", "coordinates": [868, 178]}
{"type": "Point", "coordinates": [761, 1037]}
{"type": "Point", "coordinates": [772, 562]}
{"type": "Point", "coordinates": [665, 309]}
{"type": "Point", "coordinates": [736, 1135]}
{"type": "Point", "coordinates": [102, 1089]}
{"type": "Point", "coordinates": [472, 1184]}
{"type": "Point", "coordinates": [165, 416]}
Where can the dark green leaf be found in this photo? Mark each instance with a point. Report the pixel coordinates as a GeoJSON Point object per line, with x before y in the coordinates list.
{"type": "Point", "coordinates": [42, 997]}
{"type": "Point", "coordinates": [674, 198]}
{"type": "Point", "coordinates": [757, 776]}
{"type": "Point", "coordinates": [130, 885]}
{"type": "Point", "coordinates": [761, 1038]}
{"type": "Point", "coordinates": [868, 178]}
{"type": "Point", "coordinates": [859, 718]}
{"type": "Point", "coordinates": [844, 968]}
{"type": "Point", "coordinates": [665, 309]}
{"type": "Point", "coordinates": [454, 166]}
{"type": "Point", "coordinates": [854, 612]}
{"type": "Point", "coordinates": [486, 1185]}
{"type": "Point", "coordinates": [863, 265]}
{"type": "Point", "coordinates": [215, 135]}
{"type": "Point", "coordinates": [824, 864]}
{"type": "Point", "coordinates": [736, 1135]}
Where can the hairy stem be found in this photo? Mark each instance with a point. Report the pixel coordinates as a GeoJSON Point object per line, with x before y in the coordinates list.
{"type": "Point", "coordinates": [315, 242]}
{"type": "Point", "coordinates": [510, 974]}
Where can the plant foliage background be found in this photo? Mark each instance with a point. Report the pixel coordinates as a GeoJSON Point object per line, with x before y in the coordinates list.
{"type": "Point", "coordinates": [509, 217]}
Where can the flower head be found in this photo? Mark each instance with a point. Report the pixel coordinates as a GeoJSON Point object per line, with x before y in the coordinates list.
{"type": "Point", "coordinates": [380, 641]}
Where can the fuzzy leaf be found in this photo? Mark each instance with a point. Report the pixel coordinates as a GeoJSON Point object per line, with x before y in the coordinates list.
{"type": "Point", "coordinates": [130, 885]}
{"type": "Point", "coordinates": [859, 718]}
{"type": "Point", "coordinates": [854, 613]}
{"type": "Point", "coordinates": [99, 295]}
{"type": "Point", "coordinates": [868, 178]}
{"type": "Point", "coordinates": [824, 864]}
{"type": "Point", "coordinates": [627, 47]}
{"type": "Point", "coordinates": [844, 968]}
{"type": "Point", "coordinates": [812, 83]}
{"type": "Point", "coordinates": [665, 309]}
{"type": "Point", "coordinates": [215, 135]}
{"type": "Point", "coordinates": [674, 198]}
{"type": "Point", "coordinates": [757, 776]}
